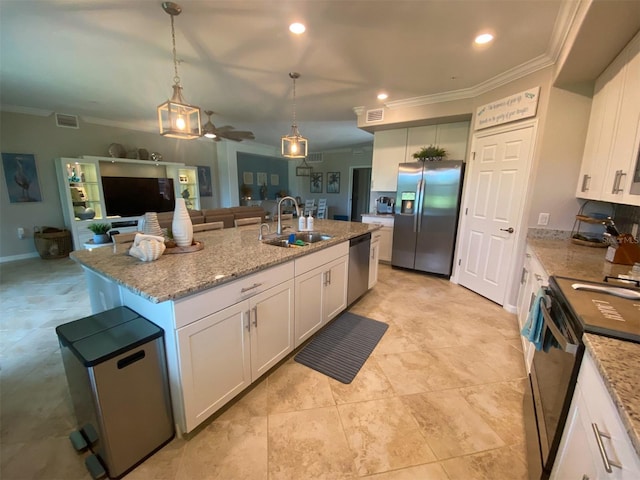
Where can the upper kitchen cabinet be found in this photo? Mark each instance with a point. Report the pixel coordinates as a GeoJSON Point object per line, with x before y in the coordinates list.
{"type": "Point", "coordinates": [389, 150]}
{"type": "Point", "coordinates": [450, 136]}
{"type": "Point", "coordinates": [418, 137]}
{"type": "Point", "coordinates": [613, 136]}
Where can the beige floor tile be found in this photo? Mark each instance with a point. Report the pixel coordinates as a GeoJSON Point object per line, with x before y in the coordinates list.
{"type": "Point", "coordinates": [309, 444]}
{"type": "Point", "coordinates": [383, 435]}
{"type": "Point", "coordinates": [431, 471]}
{"type": "Point", "coordinates": [408, 372]}
{"type": "Point", "coordinates": [450, 424]}
{"type": "Point", "coordinates": [162, 465]}
{"type": "Point", "coordinates": [370, 383]}
{"type": "Point", "coordinates": [496, 464]}
{"type": "Point", "coordinates": [294, 386]}
{"type": "Point", "coordinates": [226, 450]}
{"type": "Point", "coordinates": [394, 340]}
{"type": "Point", "coordinates": [500, 405]}
{"type": "Point", "coordinates": [252, 403]}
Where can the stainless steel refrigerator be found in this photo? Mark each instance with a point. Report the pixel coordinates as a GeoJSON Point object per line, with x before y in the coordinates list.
{"type": "Point", "coordinates": [426, 215]}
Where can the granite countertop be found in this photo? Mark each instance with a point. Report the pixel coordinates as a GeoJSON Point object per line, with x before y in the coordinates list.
{"type": "Point", "coordinates": [227, 255]}
{"type": "Point", "coordinates": [382, 215]}
{"type": "Point", "coordinates": [617, 360]}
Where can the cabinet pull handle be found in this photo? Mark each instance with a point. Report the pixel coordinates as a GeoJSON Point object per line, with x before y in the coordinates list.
{"type": "Point", "coordinates": [325, 277]}
{"type": "Point", "coordinates": [538, 277]}
{"type": "Point", "coordinates": [246, 289]}
{"type": "Point", "coordinates": [585, 183]}
{"type": "Point", "coordinates": [523, 278]}
{"type": "Point", "coordinates": [248, 325]}
{"type": "Point", "coordinates": [605, 459]}
{"type": "Point", "coordinates": [618, 181]}
{"type": "Point", "coordinates": [255, 316]}
{"type": "Point", "coordinates": [585, 477]}
{"type": "Point", "coordinates": [329, 277]}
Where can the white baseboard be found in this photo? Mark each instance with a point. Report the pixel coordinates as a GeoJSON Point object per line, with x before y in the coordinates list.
{"type": "Point", "coordinates": [510, 308]}
{"type": "Point", "coordinates": [23, 256]}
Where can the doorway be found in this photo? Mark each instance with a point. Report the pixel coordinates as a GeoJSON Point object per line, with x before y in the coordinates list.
{"type": "Point", "coordinates": [360, 192]}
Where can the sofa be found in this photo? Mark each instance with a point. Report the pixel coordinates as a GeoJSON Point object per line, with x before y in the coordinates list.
{"type": "Point", "coordinates": [224, 215]}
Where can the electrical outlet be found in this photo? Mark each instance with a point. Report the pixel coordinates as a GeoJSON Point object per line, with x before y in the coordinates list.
{"type": "Point", "coordinates": [20, 233]}
{"type": "Point", "coordinates": [543, 219]}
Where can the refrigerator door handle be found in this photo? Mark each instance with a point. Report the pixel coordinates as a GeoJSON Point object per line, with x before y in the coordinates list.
{"type": "Point", "coordinates": [416, 214]}
{"type": "Point", "coordinates": [421, 186]}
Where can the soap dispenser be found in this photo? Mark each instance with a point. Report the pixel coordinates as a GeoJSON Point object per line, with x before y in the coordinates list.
{"type": "Point", "coordinates": [302, 223]}
{"type": "Point", "coordinates": [309, 222]}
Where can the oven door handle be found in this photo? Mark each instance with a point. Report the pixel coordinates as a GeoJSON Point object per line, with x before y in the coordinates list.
{"type": "Point", "coordinates": [565, 344]}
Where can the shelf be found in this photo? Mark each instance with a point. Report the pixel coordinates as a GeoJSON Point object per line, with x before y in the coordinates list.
{"type": "Point", "coordinates": [129, 160]}
{"type": "Point", "coordinates": [586, 219]}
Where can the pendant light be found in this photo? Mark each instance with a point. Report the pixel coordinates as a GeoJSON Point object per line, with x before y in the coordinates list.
{"type": "Point", "coordinates": [294, 145]}
{"type": "Point", "coordinates": [176, 118]}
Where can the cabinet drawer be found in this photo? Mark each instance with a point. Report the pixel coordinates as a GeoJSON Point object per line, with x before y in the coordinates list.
{"type": "Point", "coordinates": [376, 220]}
{"type": "Point", "coordinates": [215, 299]}
{"type": "Point", "coordinates": [315, 260]}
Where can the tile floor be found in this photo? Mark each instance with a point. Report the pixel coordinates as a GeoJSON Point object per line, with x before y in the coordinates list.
{"type": "Point", "coordinates": [440, 398]}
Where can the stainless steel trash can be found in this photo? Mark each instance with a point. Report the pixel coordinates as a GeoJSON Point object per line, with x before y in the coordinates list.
{"type": "Point", "coordinates": [116, 370]}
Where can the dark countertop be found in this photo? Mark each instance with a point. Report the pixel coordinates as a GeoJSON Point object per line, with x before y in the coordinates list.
{"type": "Point", "coordinates": [618, 361]}
{"type": "Point", "coordinates": [228, 254]}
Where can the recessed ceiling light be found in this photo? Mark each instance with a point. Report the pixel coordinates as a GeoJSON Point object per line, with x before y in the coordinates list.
{"type": "Point", "coordinates": [483, 38]}
{"type": "Point", "coordinates": [382, 96]}
{"type": "Point", "coordinates": [297, 28]}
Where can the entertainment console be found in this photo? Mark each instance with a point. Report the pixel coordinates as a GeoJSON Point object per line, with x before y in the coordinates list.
{"type": "Point", "coordinates": [128, 194]}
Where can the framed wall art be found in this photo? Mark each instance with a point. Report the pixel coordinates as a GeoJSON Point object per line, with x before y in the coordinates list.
{"type": "Point", "coordinates": [333, 182]}
{"type": "Point", "coordinates": [21, 175]}
{"type": "Point", "coordinates": [315, 185]}
{"type": "Point", "coordinates": [204, 181]}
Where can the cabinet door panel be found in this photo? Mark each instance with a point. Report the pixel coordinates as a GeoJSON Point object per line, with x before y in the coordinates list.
{"type": "Point", "coordinates": [271, 327]}
{"type": "Point", "coordinates": [214, 361]}
{"type": "Point", "coordinates": [309, 292]}
{"type": "Point", "coordinates": [386, 244]}
{"type": "Point", "coordinates": [336, 288]}
{"type": "Point", "coordinates": [389, 149]}
{"type": "Point", "coordinates": [418, 137]}
{"type": "Point", "coordinates": [373, 260]}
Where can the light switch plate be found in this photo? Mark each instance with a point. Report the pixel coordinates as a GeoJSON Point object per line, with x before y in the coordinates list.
{"type": "Point", "coordinates": [543, 219]}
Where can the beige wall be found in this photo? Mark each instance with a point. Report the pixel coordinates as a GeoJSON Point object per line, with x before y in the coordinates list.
{"type": "Point", "coordinates": [20, 133]}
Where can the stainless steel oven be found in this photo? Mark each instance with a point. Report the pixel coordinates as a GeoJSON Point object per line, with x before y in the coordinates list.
{"type": "Point", "coordinates": [574, 307]}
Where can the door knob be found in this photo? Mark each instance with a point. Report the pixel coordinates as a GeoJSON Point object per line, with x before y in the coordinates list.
{"type": "Point", "coordinates": [509, 230]}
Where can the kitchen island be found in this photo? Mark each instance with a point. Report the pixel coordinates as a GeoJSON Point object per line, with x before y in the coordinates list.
{"type": "Point", "coordinates": [231, 311]}
{"type": "Point", "coordinates": [616, 360]}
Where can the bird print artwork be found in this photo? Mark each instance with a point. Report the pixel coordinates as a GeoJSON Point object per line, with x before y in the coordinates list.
{"type": "Point", "coordinates": [21, 177]}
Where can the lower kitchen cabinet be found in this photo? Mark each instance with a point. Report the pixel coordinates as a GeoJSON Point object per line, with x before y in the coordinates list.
{"type": "Point", "coordinates": [594, 434]}
{"type": "Point", "coordinates": [221, 354]}
{"type": "Point", "coordinates": [374, 256]}
{"type": "Point", "coordinates": [386, 234]}
{"type": "Point", "coordinates": [320, 290]}
{"type": "Point", "coordinates": [533, 277]}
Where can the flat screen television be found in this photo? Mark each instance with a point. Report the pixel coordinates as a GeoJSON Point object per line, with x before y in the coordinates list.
{"type": "Point", "coordinates": [134, 196]}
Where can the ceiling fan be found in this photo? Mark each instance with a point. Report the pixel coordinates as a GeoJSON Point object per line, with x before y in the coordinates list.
{"type": "Point", "coordinates": [209, 130]}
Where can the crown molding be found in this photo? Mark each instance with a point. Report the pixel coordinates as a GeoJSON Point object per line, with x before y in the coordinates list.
{"type": "Point", "coordinates": [26, 110]}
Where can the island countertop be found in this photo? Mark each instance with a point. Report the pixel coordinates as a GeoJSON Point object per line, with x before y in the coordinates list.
{"type": "Point", "coordinates": [228, 254]}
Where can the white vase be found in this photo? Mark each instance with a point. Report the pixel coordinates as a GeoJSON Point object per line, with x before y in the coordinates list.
{"type": "Point", "coordinates": [151, 226]}
{"type": "Point", "coordinates": [181, 227]}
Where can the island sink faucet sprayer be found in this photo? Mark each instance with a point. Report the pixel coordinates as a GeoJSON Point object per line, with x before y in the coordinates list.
{"type": "Point", "coordinates": [279, 231]}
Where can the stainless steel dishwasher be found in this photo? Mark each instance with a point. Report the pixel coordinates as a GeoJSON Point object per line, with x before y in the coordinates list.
{"type": "Point", "coordinates": [359, 248]}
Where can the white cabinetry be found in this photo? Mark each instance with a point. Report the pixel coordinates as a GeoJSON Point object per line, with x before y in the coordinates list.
{"type": "Point", "coordinates": [533, 277]}
{"type": "Point", "coordinates": [450, 136]}
{"type": "Point", "coordinates": [594, 434]}
{"type": "Point", "coordinates": [613, 136]}
{"type": "Point", "coordinates": [389, 150]}
{"type": "Point", "coordinates": [320, 289]}
{"type": "Point", "coordinates": [374, 256]}
{"type": "Point", "coordinates": [185, 184]}
{"type": "Point", "coordinates": [418, 137]}
{"type": "Point", "coordinates": [386, 235]}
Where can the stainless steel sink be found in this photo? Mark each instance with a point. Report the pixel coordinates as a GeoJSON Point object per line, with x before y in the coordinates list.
{"type": "Point", "coordinates": [306, 237]}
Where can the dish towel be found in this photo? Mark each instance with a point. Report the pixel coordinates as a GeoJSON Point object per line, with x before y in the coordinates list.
{"type": "Point", "coordinates": [532, 329]}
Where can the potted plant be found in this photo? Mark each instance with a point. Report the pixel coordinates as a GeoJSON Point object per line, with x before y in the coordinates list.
{"type": "Point", "coordinates": [245, 193]}
{"type": "Point", "coordinates": [432, 152]}
{"type": "Point", "coordinates": [100, 234]}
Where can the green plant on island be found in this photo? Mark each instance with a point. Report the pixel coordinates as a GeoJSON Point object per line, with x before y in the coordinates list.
{"type": "Point", "coordinates": [432, 152]}
{"type": "Point", "coordinates": [99, 228]}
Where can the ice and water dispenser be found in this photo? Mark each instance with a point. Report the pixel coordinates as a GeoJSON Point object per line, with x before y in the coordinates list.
{"type": "Point", "coordinates": [407, 202]}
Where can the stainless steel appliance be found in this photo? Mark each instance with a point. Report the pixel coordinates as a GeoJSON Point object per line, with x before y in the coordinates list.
{"type": "Point", "coordinates": [359, 248]}
{"type": "Point", "coordinates": [426, 217]}
{"type": "Point", "coordinates": [384, 205]}
{"type": "Point", "coordinates": [635, 180]}
{"type": "Point", "coordinates": [574, 307]}
{"type": "Point", "coordinates": [117, 375]}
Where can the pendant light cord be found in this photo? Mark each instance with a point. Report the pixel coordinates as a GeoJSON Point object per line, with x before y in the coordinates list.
{"type": "Point", "coordinates": [294, 102]}
{"type": "Point", "coordinates": [176, 78]}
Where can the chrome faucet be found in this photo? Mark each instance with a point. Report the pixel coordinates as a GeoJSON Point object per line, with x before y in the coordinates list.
{"type": "Point", "coordinates": [279, 231]}
{"type": "Point", "coordinates": [268, 230]}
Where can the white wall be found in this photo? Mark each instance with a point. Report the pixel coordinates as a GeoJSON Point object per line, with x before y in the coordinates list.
{"type": "Point", "coordinates": [20, 133]}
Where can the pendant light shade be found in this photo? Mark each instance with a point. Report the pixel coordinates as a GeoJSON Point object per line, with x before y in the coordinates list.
{"type": "Point", "coordinates": [176, 118]}
{"type": "Point", "coordinates": [294, 145]}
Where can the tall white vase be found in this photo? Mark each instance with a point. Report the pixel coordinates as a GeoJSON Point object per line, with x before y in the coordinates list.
{"type": "Point", "coordinates": [181, 227]}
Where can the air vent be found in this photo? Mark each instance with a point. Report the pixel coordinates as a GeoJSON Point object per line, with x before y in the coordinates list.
{"type": "Point", "coordinates": [67, 121]}
{"type": "Point", "coordinates": [314, 158]}
{"type": "Point", "coordinates": [376, 115]}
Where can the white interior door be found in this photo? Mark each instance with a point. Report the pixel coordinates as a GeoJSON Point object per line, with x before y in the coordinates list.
{"type": "Point", "coordinates": [494, 202]}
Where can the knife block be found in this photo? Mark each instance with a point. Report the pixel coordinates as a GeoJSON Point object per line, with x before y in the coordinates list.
{"type": "Point", "coordinates": [626, 253]}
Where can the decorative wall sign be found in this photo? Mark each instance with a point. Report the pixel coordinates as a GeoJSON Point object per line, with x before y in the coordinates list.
{"type": "Point", "coordinates": [204, 181]}
{"type": "Point", "coordinates": [508, 109]}
{"type": "Point", "coordinates": [275, 179]}
{"type": "Point", "coordinates": [247, 178]}
{"type": "Point", "coordinates": [261, 178]}
{"type": "Point", "coordinates": [303, 171]}
{"type": "Point", "coordinates": [333, 182]}
{"type": "Point", "coordinates": [315, 182]}
{"type": "Point", "coordinates": [21, 175]}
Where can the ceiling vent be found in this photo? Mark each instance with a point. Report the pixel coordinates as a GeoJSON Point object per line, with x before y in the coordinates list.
{"type": "Point", "coordinates": [314, 158]}
{"type": "Point", "coordinates": [67, 121]}
{"type": "Point", "coordinates": [376, 115]}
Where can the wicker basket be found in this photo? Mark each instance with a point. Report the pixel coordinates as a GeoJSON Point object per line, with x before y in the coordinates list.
{"type": "Point", "coordinates": [52, 243]}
